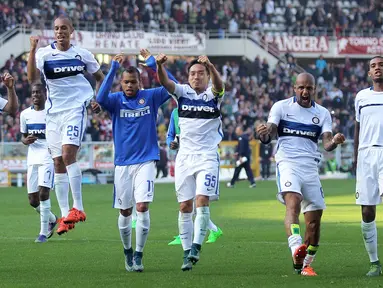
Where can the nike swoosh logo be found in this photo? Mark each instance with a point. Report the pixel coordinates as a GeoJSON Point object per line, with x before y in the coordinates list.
{"type": "Point", "coordinates": [55, 54]}
{"type": "Point", "coordinates": [72, 138]}
{"type": "Point", "coordinates": [210, 189]}
{"type": "Point", "coordinates": [289, 115]}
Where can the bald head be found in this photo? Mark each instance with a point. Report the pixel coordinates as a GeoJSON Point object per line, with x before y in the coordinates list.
{"type": "Point", "coordinates": [64, 20]}
{"type": "Point", "coordinates": [304, 89]}
{"type": "Point", "coordinates": [304, 77]}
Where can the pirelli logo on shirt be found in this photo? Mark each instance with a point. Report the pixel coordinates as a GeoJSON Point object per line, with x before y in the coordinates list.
{"type": "Point", "coordinates": [128, 113]}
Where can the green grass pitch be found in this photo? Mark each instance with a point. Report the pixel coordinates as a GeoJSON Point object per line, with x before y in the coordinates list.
{"type": "Point", "coordinates": [253, 251]}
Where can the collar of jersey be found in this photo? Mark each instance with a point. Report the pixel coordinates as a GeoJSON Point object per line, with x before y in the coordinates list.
{"type": "Point", "coordinates": [53, 45]}
{"type": "Point", "coordinates": [312, 101]}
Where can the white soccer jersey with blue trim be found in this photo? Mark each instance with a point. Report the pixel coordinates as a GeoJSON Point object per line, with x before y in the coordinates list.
{"type": "Point", "coordinates": [33, 122]}
{"type": "Point", "coordinates": [299, 129]}
{"type": "Point", "coordinates": [369, 113]}
{"type": "Point", "coordinates": [64, 75]}
{"type": "Point", "coordinates": [199, 119]}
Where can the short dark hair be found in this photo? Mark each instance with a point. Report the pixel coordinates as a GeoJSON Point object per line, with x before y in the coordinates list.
{"type": "Point", "coordinates": [375, 57]}
{"type": "Point", "coordinates": [64, 17]}
{"type": "Point", "coordinates": [39, 85]}
{"type": "Point", "coordinates": [194, 62]}
{"type": "Point", "coordinates": [132, 70]}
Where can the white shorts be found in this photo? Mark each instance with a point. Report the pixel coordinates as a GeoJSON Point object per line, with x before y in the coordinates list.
{"type": "Point", "coordinates": [369, 176]}
{"type": "Point", "coordinates": [40, 176]}
{"type": "Point", "coordinates": [303, 179]}
{"type": "Point", "coordinates": [65, 127]}
{"type": "Point", "coordinates": [197, 174]}
{"type": "Point", "coordinates": [133, 184]}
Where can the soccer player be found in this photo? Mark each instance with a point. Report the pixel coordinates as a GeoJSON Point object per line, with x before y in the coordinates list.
{"type": "Point", "coordinates": [197, 165]}
{"type": "Point", "coordinates": [134, 115]}
{"type": "Point", "coordinates": [174, 130]}
{"type": "Point", "coordinates": [368, 158]}
{"type": "Point", "coordinates": [40, 173]}
{"type": "Point", "coordinates": [244, 153]}
{"type": "Point", "coordinates": [299, 122]}
{"type": "Point", "coordinates": [69, 92]}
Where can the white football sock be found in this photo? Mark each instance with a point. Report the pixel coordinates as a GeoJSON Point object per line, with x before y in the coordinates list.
{"type": "Point", "coordinates": [125, 227]}
{"type": "Point", "coordinates": [52, 217]}
{"type": "Point", "coordinates": [134, 212]}
{"type": "Point", "coordinates": [142, 230]}
{"type": "Point", "coordinates": [294, 242]}
{"type": "Point", "coordinates": [212, 227]}
{"type": "Point", "coordinates": [45, 208]}
{"type": "Point", "coordinates": [200, 224]}
{"type": "Point", "coordinates": [75, 178]}
{"type": "Point", "coordinates": [185, 227]}
{"type": "Point", "coordinates": [62, 192]}
{"type": "Point", "coordinates": [370, 238]}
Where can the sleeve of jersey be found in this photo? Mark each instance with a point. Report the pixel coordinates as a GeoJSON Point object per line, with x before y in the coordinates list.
{"type": "Point", "coordinates": [92, 65]}
{"type": "Point", "coordinates": [357, 115]}
{"type": "Point", "coordinates": [39, 57]}
{"type": "Point", "coordinates": [179, 90]}
{"type": "Point", "coordinates": [103, 96]}
{"type": "Point", "coordinates": [3, 102]}
{"type": "Point", "coordinates": [151, 63]}
{"type": "Point", "coordinates": [171, 130]}
{"type": "Point", "coordinates": [327, 124]}
{"type": "Point", "coordinates": [23, 124]}
{"type": "Point", "coordinates": [275, 114]}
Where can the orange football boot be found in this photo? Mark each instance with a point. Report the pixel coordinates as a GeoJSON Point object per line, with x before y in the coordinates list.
{"type": "Point", "coordinates": [75, 216]}
{"type": "Point", "coordinates": [308, 271]}
{"type": "Point", "coordinates": [63, 228]}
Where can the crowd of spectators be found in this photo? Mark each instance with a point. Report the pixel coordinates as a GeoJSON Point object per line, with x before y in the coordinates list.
{"type": "Point", "coordinates": [251, 89]}
{"type": "Point", "coordinates": [297, 16]}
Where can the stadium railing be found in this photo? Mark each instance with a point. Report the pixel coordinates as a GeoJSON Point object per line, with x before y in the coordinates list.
{"type": "Point", "coordinates": [98, 156]}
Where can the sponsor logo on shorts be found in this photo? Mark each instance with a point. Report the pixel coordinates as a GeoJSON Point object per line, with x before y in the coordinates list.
{"type": "Point", "coordinates": [321, 192]}
{"type": "Point", "coordinates": [315, 120]}
{"type": "Point", "coordinates": [287, 184]}
{"type": "Point", "coordinates": [119, 201]}
{"type": "Point", "coordinates": [357, 195]}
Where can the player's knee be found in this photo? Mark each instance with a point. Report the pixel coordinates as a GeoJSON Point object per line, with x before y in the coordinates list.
{"type": "Point", "coordinates": [34, 200]}
{"type": "Point", "coordinates": [293, 202]}
{"type": "Point", "coordinates": [142, 207]}
{"type": "Point", "coordinates": [59, 165]}
{"type": "Point", "coordinates": [202, 201]}
{"type": "Point", "coordinates": [368, 213]}
{"type": "Point", "coordinates": [186, 207]}
{"type": "Point", "coordinates": [69, 154]}
{"type": "Point", "coordinates": [126, 212]}
{"type": "Point", "coordinates": [44, 193]}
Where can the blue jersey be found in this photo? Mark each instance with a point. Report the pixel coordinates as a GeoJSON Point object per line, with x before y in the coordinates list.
{"type": "Point", "coordinates": [134, 121]}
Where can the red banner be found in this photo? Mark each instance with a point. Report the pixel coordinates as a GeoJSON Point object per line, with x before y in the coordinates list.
{"type": "Point", "coordinates": [360, 45]}
{"type": "Point", "coordinates": [300, 44]}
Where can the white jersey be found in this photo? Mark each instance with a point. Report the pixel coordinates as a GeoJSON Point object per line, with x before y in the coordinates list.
{"type": "Point", "coordinates": [299, 129]}
{"type": "Point", "coordinates": [368, 112]}
{"type": "Point", "coordinates": [33, 122]}
{"type": "Point", "coordinates": [3, 102]}
{"type": "Point", "coordinates": [64, 75]}
{"type": "Point", "coordinates": [199, 120]}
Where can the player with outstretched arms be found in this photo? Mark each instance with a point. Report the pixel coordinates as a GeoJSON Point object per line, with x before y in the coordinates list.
{"type": "Point", "coordinates": [299, 122]}
{"type": "Point", "coordinates": [197, 164]}
{"type": "Point", "coordinates": [134, 116]}
{"type": "Point", "coordinates": [69, 93]}
{"type": "Point", "coordinates": [40, 172]}
{"type": "Point", "coordinates": [368, 158]}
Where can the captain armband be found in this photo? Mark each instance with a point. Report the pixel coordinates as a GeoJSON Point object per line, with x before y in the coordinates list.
{"type": "Point", "coordinates": [219, 94]}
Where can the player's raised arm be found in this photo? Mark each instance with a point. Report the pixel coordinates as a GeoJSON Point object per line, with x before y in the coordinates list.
{"type": "Point", "coordinates": [169, 85]}
{"type": "Point", "coordinates": [12, 105]}
{"type": "Point", "coordinates": [33, 73]}
{"type": "Point", "coordinates": [218, 87]}
{"type": "Point", "coordinates": [330, 142]}
{"type": "Point", "coordinates": [150, 62]}
{"type": "Point", "coordinates": [103, 93]}
{"type": "Point", "coordinates": [99, 76]}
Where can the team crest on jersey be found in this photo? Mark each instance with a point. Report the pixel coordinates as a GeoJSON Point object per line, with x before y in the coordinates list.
{"type": "Point", "coordinates": [141, 101]}
{"type": "Point", "coordinates": [78, 57]}
{"type": "Point", "coordinates": [204, 97]}
{"type": "Point", "coordinates": [315, 120]}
